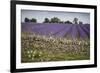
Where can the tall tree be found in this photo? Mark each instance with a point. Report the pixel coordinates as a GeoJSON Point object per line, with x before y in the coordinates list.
{"type": "Point", "coordinates": [75, 21]}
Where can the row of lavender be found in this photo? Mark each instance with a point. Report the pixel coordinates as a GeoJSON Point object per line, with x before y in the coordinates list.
{"type": "Point", "coordinates": [58, 30]}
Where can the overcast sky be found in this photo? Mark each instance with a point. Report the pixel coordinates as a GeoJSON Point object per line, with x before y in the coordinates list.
{"type": "Point", "coordinates": [64, 16]}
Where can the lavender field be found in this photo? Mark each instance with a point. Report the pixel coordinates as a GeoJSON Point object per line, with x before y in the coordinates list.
{"type": "Point", "coordinates": [42, 42]}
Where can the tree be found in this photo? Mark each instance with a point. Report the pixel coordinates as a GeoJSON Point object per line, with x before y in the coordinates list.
{"type": "Point", "coordinates": [75, 21]}
{"type": "Point", "coordinates": [46, 20]}
{"type": "Point", "coordinates": [55, 20]}
{"type": "Point", "coordinates": [33, 20]}
{"type": "Point", "coordinates": [26, 20]}
{"type": "Point", "coordinates": [68, 22]}
{"type": "Point", "coordinates": [80, 22]}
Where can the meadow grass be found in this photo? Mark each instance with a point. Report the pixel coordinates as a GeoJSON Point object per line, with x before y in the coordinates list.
{"type": "Point", "coordinates": [39, 48]}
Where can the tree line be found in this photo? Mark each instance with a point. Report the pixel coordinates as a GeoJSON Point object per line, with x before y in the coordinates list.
{"type": "Point", "coordinates": [54, 20]}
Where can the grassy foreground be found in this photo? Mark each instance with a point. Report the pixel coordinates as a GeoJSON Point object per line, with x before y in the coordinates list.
{"type": "Point", "coordinates": [38, 48]}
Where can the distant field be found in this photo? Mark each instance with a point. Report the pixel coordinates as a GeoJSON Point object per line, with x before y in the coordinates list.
{"type": "Point", "coordinates": [41, 42]}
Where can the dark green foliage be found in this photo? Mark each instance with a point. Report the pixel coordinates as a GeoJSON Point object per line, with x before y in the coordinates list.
{"type": "Point", "coordinates": [68, 22]}
{"type": "Point", "coordinates": [80, 22]}
{"type": "Point", "coordinates": [27, 20]}
{"type": "Point", "coordinates": [61, 22]}
{"type": "Point", "coordinates": [30, 20]}
{"type": "Point", "coordinates": [55, 20]}
{"type": "Point", "coordinates": [46, 20]}
{"type": "Point", "coordinates": [33, 20]}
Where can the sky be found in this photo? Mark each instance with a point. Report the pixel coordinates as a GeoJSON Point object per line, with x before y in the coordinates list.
{"type": "Point", "coordinates": [64, 16]}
